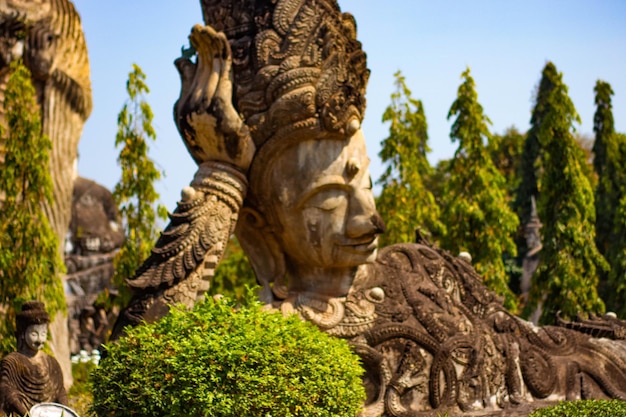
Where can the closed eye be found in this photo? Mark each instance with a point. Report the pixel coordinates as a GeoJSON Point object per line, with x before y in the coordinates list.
{"type": "Point", "coordinates": [327, 199]}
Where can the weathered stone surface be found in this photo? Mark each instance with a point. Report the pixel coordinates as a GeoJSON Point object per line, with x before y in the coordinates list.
{"type": "Point", "coordinates": [433, 339]}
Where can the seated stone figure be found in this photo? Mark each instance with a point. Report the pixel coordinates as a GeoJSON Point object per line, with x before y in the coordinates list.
{"type": "Point", "coordinates": [271, 111]}
{"type": "Point", "coordinates": [30, 376]}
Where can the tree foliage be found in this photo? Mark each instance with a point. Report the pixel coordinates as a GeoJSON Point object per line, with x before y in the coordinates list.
{"type": "Point", "coordinates": [30, 263]}
{"type": "Point", "coordinates": [506, 151]}
{"type": "Point", "coordinates": [223, 360]}
{"type": "Point", "coordinates": [135, 193]}
{"type": "Point", "coordinates": [617, 250]}
{"type": "Point", "coordinates": [405, 203]}
{"type": "Point", "coordinates": [567, 276]}
{"type": "Point", "coordinates": [608, 166]}
{"type": "Point", "coordinates": [475, 200]}
{"type": "Point", "coordinates": [531, 163]}
{"type": "Point", "coordinates": [615, 288]}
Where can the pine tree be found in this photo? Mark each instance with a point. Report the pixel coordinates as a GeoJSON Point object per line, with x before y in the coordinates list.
{"type": "Point", "coordinates": [603, 125]}
{"type": "Point", "coordinates": [475, 208]}
{"type": "Point", "coordinates": [567, 277]}
{"type": "Point", "coordinates": [135, 193]}
{"type": "Point", "coordinates": [530, 164]}
{"type": "Point", "coordinates": [607, 193]}
{"type": "Point", "coordinates": [405, 203]}
{"type": "Point", "coordinates": [605, 160]}
{"type": "Point", "coordinates": [615, 288]}
{"type": "Point", "coordinates": [30, 263]}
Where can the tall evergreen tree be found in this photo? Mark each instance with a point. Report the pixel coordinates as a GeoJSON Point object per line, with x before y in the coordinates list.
{"type": "Point", "coordinates": [616, 252]}
{"type": "Point", "coordinates": [567, 277]}
{"type": "Point", "coordinates": [475, 202]}
{"type": "Point", "coordinates": [603, 125]}
{"type": "Point", "coordinates": [530, 163]}
{"type": "Point", "coordinates": [30, 263]}
{"type": "Point", "coordinates": [405, 203]}
{"type": "Point", "coordinates": [135, 193]}
{"type": "Point", "coordinates": [606, 165]}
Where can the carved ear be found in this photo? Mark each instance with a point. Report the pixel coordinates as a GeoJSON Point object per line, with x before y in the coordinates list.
{"type": "Point", "coordinates": [264, 253]}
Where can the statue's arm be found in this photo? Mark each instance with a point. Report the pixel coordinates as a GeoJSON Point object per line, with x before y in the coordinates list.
{"type": "Point", "coordinates": [184, 259]}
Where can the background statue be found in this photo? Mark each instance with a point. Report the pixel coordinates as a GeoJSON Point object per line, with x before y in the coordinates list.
{"type": "Point", "coordinates": [48, 36]}
{"type": "Point", "coordinates": [95, 235]}
{"type": "Point", "coordinates": [531, 258]}
{"type": "Point", "coordinates": [271, 111]}
{"type": "Point", "coordinates": [30, 376]}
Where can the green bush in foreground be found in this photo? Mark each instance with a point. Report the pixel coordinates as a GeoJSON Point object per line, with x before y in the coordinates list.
{"type": "Point", "coordinates": [588, 408]}
{"type": "Point", "coordinates": [219, 360]}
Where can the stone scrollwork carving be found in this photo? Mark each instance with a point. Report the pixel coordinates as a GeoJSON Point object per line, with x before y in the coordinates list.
{"type": "Point", "coordinates": [283, 163]}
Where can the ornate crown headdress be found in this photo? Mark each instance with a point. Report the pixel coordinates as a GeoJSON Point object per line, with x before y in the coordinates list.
{"type": "Point", "coordinates": [297, 66]}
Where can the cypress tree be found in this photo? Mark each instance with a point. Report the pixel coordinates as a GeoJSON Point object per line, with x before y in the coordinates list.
{"type": "Point", "coordinates": [405, 203]}
{"type": "Point", "coordinates": [603, 126]}
{"type": "Point", "coordinates": [530, 163]}
{"type": "Point", "coordinates": [616, 252]}
{"type": "Point", "coordinates": [606, 166]}
{"type": "Point", "coordinates": [30, 263]}
{"type": "Point", "coordinates": [475, 207]}
{"type": "Point", "coordinates": [567, 277]}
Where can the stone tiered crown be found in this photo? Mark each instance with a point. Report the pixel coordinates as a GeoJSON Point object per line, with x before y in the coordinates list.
{"type": "Point", "coordinates": [299, 70]}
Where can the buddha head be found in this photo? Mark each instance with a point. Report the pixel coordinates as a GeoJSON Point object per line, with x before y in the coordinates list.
{"type": "Point", "coordinates": [309, 220]}
{"type": "Point", "coordinates": [32, 327]}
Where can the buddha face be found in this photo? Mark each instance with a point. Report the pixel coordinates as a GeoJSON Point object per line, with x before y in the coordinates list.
{"type": "Point", "coordinates": [325, 205]}
{"type": "Point", "coordinates": [35, 336]}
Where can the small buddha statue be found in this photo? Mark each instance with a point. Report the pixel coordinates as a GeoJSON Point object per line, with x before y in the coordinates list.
{"type": "Point", "coordinates": [30, 376]}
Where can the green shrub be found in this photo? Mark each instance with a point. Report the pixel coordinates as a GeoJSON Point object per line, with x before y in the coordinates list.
{"type": "Point", "coordinates": [218, 360]}
{"type": "Point", "coordinates": [587, 408]}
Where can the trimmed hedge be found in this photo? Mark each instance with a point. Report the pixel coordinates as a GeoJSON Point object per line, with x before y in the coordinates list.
{"type": "Point", "coordinates": [219, 360]}
{"type": "Point", "coordinates": [586, 408]}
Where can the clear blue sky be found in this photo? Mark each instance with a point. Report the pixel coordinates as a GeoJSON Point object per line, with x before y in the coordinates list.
{"type": "Point", "coordinates": [505, 43]}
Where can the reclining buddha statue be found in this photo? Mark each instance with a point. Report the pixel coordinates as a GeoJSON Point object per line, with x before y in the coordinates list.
{"type": "Point", "coordinates": [271, 105]}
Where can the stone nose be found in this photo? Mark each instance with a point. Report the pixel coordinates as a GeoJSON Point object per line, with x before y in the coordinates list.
{"type": "Point", "coordinates": [364, 220]}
